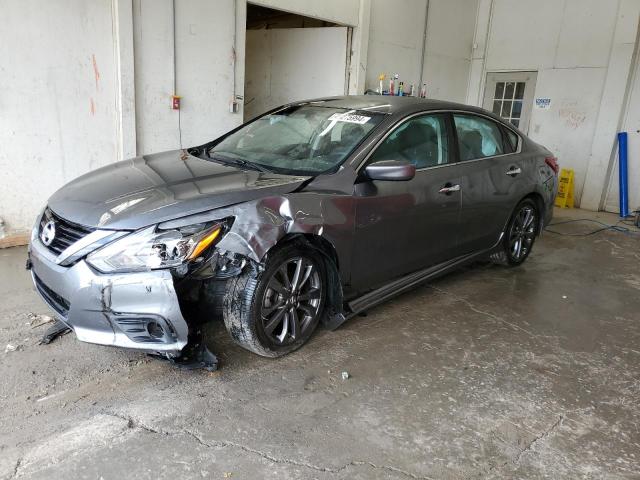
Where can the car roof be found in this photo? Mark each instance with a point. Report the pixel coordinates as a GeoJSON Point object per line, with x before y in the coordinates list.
{"type": "Point", "coordinates": [391, 105]}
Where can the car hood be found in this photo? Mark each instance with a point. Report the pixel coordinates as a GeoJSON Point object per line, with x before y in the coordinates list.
{"type": "Point", "coordinates": [155, 188]}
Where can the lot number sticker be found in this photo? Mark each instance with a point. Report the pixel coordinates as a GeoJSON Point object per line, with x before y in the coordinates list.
{"type": "Point", "coordinates": [349, 118]}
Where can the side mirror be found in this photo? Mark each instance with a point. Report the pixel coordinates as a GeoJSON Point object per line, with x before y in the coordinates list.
{"type": "Point", "coordinates": [393, 170]}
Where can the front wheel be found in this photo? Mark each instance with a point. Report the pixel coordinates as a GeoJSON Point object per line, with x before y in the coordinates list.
{"type": "Point", "coordinates": [520, 235]}
{"type": "Point", "coordinates": [276, 311]}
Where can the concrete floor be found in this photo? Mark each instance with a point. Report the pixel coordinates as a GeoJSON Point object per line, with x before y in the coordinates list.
{"type": "Point", "coordinates": [531, 372]}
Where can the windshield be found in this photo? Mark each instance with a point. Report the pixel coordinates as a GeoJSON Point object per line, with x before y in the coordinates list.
{"type": "Point", "coordinates": [300, 140]}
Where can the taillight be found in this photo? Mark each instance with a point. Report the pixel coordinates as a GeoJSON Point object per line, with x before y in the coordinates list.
{"type": "Point", "coordinates": [553, 163]}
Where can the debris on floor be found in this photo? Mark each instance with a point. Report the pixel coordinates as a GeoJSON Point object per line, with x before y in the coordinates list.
{"type": "Point", "coordinates": [12, 348]}
{"type": "Point", "coordinates": [54, 331]}
{"type": "Point", "coordinates": [345, 375]}
{"type": "Point", "coordinates": [36, 320]}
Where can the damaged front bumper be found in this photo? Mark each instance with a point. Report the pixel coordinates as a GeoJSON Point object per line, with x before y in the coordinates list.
{"type": "Point", "coordinates": [131, 310]}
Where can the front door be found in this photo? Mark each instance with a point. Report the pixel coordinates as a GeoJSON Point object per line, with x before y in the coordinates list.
{"type": "Point", "coordinates": [404, 226]}
{"type": "Point", "coordinates": [510, 96]}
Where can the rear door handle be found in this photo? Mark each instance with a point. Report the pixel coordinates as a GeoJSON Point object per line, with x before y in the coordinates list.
{"type": "Point", "coordinates": [513, 171]}
{"type": "Point", "coordinates": [448, 189]}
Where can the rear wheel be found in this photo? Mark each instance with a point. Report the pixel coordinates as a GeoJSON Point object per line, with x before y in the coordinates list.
{"type": "Point", "coordinates": [520, 235]}
{"type": "Point", "coordinates": [276, 311]}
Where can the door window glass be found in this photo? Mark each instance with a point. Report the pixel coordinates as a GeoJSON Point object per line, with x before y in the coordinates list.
{"type": "Point", "coordinates": [477, 137]}
{"type": "Point", "coordinates": [507, 101]}
{"type": "Point", "coordinates": [421, 141]}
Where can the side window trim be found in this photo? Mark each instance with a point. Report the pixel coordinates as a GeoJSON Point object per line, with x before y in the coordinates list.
{"type": "Point", "coordinates": [506, 144]}
{"type": "Point", "coordinates": [518, 146]}
{"type": "Point", "coordinates": [455, 147]}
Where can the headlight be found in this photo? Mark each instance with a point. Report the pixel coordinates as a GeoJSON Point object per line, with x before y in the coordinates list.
{"type": "Point", "coordinates": [151, 248]}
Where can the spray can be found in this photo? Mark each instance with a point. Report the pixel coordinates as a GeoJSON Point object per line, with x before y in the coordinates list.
{"type": "Point", "coordinates": [411, 91]}
{"type": "Point", "coordinates": [401, 89]}
{"type": "Point", "coordinates": [392, 87]}
{"type": "Point", "coordinates": [381, 86]}
{"type": "Point", "coordinates": [423, 91]}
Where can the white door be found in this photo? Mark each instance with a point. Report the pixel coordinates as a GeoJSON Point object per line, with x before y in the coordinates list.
{"type": "Point", "coordinates": [291, 64]}
{"type": "Point", "coordinates": [510, 96]}
{"type": "Point", "coordinates": [631, 125]}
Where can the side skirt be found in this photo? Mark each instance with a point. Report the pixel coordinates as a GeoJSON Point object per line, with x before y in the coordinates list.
{"type": "Point", "coordinates": [401, 285]}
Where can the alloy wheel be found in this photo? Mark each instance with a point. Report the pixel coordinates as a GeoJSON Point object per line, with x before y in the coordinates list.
{"type": "Point", "coordinates": [522, 233]}
{"type": "Point", "coordinates": [291, 300]}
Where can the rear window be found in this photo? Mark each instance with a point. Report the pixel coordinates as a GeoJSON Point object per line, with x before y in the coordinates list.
{"type": "Point", "coordinates": [478, 137]}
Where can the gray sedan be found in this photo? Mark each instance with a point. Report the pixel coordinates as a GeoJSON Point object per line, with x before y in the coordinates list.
{"type": "Point", "coordinates": [306, 215]}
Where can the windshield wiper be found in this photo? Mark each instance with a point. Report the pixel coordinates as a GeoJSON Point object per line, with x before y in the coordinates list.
{"type": "Point", "coordinates": [240, 161]}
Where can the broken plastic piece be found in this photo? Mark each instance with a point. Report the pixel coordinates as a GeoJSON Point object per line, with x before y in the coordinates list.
{"type": "Point", "coordinates": [196, 357]}
{"type": "Point", "coordinates": [54, 331]}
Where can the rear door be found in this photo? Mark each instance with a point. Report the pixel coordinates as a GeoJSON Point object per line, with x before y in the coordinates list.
{"type": "Point", "coordinates": [492, 179]}
{"type": "Point", "coordinates": [403, 226]}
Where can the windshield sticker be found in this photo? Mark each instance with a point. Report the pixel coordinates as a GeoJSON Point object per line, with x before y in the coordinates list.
{"type": "Point", "coordinates": [349, 118]}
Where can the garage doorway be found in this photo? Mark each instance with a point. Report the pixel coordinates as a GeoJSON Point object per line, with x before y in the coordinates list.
{"type": "Point", "coordinates": [510, 96]}
{"type": "Point", "coordinates": [290, 57]}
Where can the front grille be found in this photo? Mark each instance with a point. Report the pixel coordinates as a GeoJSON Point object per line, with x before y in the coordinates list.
{"type": "Point", "coordinates": [66, 233]}
{"type": "Point", "coordinates": [55, 301]}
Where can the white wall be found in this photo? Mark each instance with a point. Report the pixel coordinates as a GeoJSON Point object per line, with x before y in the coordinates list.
{"type": "Point", "coordinates": [631, 125]}
{"type": "Point", "coordinates": [59, 122]}
{"type": "Point", "coordinates": [209, 50]}
{"type": "Point", "coordinates": [397, 45]}
{"type": "Point", "coordinates": [447, 62]}
{"type": "Point", "coordinates": [396, 41]}
{"type": "Point", "coordinates": [569, 43]}
{"type": "Point", "coordinates": [58, 100]}
{"type": "Point", "coordinates": [204, 72]}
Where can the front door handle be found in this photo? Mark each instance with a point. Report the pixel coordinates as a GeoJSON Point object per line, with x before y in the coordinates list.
{"type": "Point", "coordinates": [448, 189]}
{"type": "Point", "coordinates": [513, 171]}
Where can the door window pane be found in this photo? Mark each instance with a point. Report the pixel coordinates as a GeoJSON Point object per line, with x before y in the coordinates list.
{"type": "Point", "coordinates": [421, 141]}
{"type": "Point", "coordinates": [508, 91]}
{"type": "Point", "coordinates": [519, 91]}
{"type": "Point", "coordinates": [497, 107]}
{"type": "Point", "coordinates": [517, 109]}
{"type": "Point", "coordinates": [506, 109]}
{"type": "Point", "coordinates": [499, 90]}
{"type": "Point", "coordinates": [478, 137]}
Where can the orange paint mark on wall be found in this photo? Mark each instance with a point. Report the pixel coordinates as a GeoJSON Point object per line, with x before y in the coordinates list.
{"type": "Point", "coordinates": [92, 107]}
{"type": "Point", "coordinates": [96, 72]}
